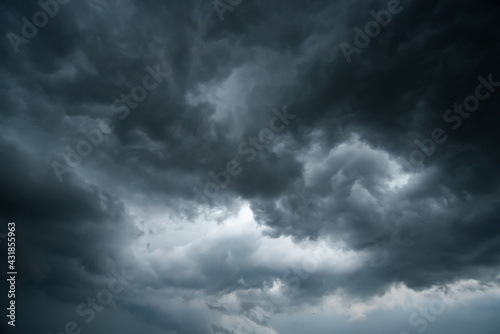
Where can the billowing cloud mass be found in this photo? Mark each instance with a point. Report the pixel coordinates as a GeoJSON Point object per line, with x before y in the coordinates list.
{"type": "Point", "coordinates": [251, 166]}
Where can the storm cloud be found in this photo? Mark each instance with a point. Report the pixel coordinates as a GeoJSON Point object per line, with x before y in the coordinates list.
{"type": "Point", "coordinates": [255, 166]}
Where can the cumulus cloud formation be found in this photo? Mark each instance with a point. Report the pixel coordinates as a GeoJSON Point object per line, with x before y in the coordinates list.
{"type": "Point", "coordinates": [255, 166]}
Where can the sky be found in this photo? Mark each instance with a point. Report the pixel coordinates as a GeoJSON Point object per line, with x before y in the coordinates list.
{"type": "Point", "coordinates": [250, 166]}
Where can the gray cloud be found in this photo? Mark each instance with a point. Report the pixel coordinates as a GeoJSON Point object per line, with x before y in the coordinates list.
{"type": "Point", "coordinates": [333, 175]}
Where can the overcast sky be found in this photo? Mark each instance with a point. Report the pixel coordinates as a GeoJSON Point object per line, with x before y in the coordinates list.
{"type": "Point", "coordinates": [269, 167]}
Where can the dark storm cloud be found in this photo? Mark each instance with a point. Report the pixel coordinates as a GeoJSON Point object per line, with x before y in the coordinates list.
{"type": "Point", "coordinates": [327, 174]}
{"type": "Point", "coordinates": [29, 195]}
{"type": "Point", "coordinates": [397, 90]}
